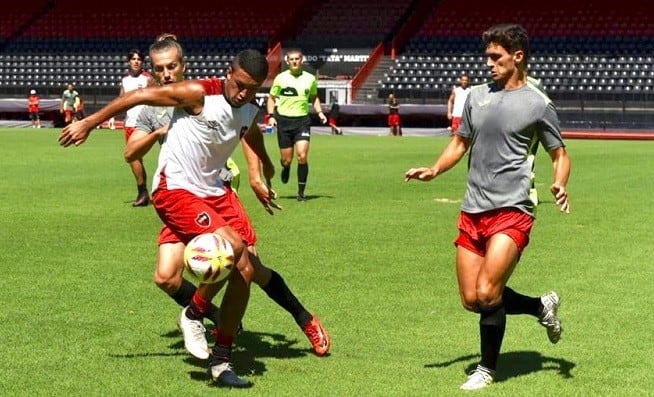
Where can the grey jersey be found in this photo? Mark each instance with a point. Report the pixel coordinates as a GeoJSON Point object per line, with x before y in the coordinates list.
{"type": "Point", "coordinates": [502, 126]}
{"type": "Point", "coordinates": [151, 118]}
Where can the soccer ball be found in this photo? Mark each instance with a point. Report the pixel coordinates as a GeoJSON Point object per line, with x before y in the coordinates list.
{"type": "Point", "coordinates": [209, 257]}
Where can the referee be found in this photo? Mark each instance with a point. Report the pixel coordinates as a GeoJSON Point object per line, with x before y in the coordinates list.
{"type": "Point", "coordinates": [288, 110]}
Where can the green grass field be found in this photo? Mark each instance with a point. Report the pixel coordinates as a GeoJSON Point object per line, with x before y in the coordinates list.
{"type": "Point", "coordinates": [368, 253]}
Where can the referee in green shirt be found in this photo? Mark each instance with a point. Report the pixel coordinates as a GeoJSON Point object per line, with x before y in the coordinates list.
{"type": "Point", "coordinates": [288, 109]}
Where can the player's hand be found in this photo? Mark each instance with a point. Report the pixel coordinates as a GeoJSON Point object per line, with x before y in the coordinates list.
{"type": "Point", "coordinates": [75, 133]}
{"type": "Point", "coordinates": [421, 173]}
{"type": "Point", "coordinates": [323, 118]}
{"type": "Point", "coordinates": [266, 195]}
{"type": "Point", "coordinates": [561, 197]}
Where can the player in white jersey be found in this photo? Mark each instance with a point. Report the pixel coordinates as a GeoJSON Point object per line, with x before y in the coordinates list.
{"type": "Point", "coordinates": [168, 65]}
{"type": "Point", "coordinates": [456, 101]}
{"type": "Point", "coordinates": [135, 79]}
{"type": "Point", "coordinates": [189, 195]}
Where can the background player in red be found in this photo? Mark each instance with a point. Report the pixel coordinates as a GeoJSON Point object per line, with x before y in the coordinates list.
{"type": "Point", "coordinates": [33, 109]}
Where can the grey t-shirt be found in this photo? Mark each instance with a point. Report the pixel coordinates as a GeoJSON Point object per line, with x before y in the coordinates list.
{"type": "Point", "coordinates": [502, 126]}
{"type": "Point", "coordinates": [151, 118]}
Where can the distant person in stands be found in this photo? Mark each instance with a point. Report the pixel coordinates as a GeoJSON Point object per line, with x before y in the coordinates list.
{"type": "Point", "coordinates": [394, 121]}
{"type": "Point", "coordinates": [33, 109]}
{"type": "Point", "coordinates": [456, 101]}
{"type": "Point", "coordinates": [135, 79]}
{"type": "Point", "coordinates": [79, 108]}
{"type": "Point", "coordinates": [68, 103]}
{"type": "Point", "coordinates": [334, 110]}
{"type": "Point", "coordinates": [288, 109]}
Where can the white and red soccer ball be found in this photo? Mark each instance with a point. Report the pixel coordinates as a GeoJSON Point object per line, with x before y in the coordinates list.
{"type": "Point", "coordinates": [209, 258]}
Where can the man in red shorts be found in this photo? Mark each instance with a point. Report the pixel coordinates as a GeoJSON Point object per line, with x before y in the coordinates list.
{"type": "Point", "coordinates": [500, 121]}
{"type": "Point", "coordinates": [135, 79]}
{"type": "Point", "coordinates": [394, 122]}
{"type": "Point", "coordinates": [210, 118]}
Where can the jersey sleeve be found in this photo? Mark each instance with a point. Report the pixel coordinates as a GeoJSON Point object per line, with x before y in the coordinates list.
{"type": "Point", "coordinates": [313, 90]}
{"type": "Point", "coordinates": [550, 132]}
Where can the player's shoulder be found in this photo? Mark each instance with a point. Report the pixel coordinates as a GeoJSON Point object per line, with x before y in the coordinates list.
{"type": "Point", "coordinates": [212, 85]}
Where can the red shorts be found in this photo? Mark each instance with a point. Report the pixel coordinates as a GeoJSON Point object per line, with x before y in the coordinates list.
{"type": "Point", "coordinates": [332, 122]}
{"type": "Point", "coordinates": [456, 123]}
{"type": "Point", "coordinates": [128, 132]}
{"type": "Point", "coordinates": [186, 215]}
{"type": "Point", "coordinates": [394, 120]}
{"type": "Point", "coordinates": [476, 229]}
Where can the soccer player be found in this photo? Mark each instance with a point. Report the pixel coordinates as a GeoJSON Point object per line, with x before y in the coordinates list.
{"type": "Point", "coordinates": [168, 66]}
{"type": "Point", "coordinates": [135, 79]}
{"type": "Point", "coordinates": [288, 109]}
{"type": "Point", "coordinates": [500, 121]}
{"type": "Point", "coordinates": [33, 101]}
{"type": "Point", "coordinates": [394, 121]}
{"type": "Point", "coordinates": [68, 98]}
{"type": "Point", "coordinates": [211, 116]}
{"type": "Point", "coordinates": [456, 100]}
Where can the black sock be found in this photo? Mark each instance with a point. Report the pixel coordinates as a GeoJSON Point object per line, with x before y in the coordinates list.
{"type": "Point", "coordinates": [142, 189]}
{"type": "Point", "coordinates": [302, 175]}
{"type": "Point", "coordinates": [492, 324]}
{"type": "Point", "coordinates": [515, 303]}
{"type": "Point", "coordinates": [279, 292]}
{"type": "Point", "coordinates": [184, 294]}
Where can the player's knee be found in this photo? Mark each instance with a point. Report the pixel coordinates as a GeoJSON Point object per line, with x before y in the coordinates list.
{"type": "Point", "coordinates": [168, 281]}
{"type": "Point", "coordinates": [487, 296]}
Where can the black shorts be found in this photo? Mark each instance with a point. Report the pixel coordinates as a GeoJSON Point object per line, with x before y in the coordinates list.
{"type": "Point", "coordinates": [34, 115]}
{"type": "Point", "coordinates": [292, 129]}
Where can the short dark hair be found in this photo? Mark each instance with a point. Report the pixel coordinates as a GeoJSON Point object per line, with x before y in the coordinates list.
{"type": "Point", "coordinates": [511, 36]}
{"type": "Point", "coordinates": [135, 51]}
{"type": "Point", "coordinates": [253, 62]}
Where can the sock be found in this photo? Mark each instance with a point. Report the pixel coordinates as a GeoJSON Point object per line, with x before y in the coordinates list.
{"type": "Point", "coordinates": [222, 350]}
{"type": "Point", "coordinates": [302, 175]}
{"type": "Point", "coordinates": [492, 324]}
{"type": "Point", "coordinates": [198, 307]}
{"type": "Point", "coordinates": [279, 292]}
{"type": "Point", "coordinates": [142, 189]}
{"type": "Point", "coordinates": [184, 294]}
{"type": "Point", "coordinates": [515, 303]}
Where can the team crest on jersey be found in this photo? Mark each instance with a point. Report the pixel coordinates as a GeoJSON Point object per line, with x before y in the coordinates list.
{"type": "Point", "coordinates": [213, 125]}
{"type": "Point", "coordinates": [203, 219]}
{"type": "Point", "coordinates": [244, 130]}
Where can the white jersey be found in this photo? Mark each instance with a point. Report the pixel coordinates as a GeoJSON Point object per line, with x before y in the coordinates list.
{"type": "Point", "coordinates": [198, 146]}
{"type": "Point", "coordinates": [131, 83]}
{"type": "Point", "coordinates": [460, 95]}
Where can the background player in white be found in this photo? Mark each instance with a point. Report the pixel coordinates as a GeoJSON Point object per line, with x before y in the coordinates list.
{"type": "Point", "coordinates": [210, 118]}
{"type": "Point", "coordinates": [136, 78]}
{"type": "Point", "coordinates": [456, 101]}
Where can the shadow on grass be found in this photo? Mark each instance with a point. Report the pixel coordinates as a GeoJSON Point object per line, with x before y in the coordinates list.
{"type": "Point", "coordinates": [514, 364]}
{"type": "Point", "coordinates": [252, 346]}
{"type": "Point", "coordinates": [307, 197]}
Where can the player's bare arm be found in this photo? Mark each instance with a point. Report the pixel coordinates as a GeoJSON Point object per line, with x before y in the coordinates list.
{"type": "Point", "coordinates": [448, 158]}
{"type": "Point", "coordinates": [187, 94]}
{"type": "Point", "coordinates": [270, 107]}
{"type": "Point", "coordinates": [258, 161]}
{"type": "Point", "coordinates": [140, 143]}
{"type": "Point", "coordinates": [561, 165]}
{"type": "Point", "coordinates": [318, 108]}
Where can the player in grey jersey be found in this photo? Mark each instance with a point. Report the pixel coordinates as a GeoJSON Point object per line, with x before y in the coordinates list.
{"type": "Point", "coordinates": [502, 120]}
